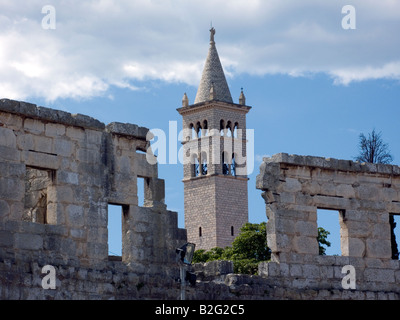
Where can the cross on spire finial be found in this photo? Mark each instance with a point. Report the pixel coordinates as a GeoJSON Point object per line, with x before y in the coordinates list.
{"type": "Point", "coordinates": [212, 33]}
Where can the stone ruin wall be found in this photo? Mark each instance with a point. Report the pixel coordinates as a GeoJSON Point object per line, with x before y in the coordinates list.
{"type": "Point", "coordinates": [58, 173]}
{"type": "Point", "coordinates": [294, 188]}
{"type": "Point", "coordinates": [366, 195]}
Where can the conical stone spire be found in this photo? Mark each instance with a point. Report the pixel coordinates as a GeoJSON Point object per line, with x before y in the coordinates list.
{"type": "Point", "coordinates": [213, 75]}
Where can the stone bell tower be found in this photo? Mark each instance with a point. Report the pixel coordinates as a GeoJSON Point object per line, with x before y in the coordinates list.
{"type": "Point", "coordinates": [215, 168]}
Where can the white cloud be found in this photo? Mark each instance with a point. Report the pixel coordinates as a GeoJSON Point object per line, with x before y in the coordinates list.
{"type": "Point", "coordinates": [104, 43]}
{"type": "Point", "coordinates": [345, 76]}
{"type": "Point", "coordinates": [259, 158]}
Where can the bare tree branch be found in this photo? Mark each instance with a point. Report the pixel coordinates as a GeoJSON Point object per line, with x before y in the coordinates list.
{"type": "Point", "coordinates": [373, 149]}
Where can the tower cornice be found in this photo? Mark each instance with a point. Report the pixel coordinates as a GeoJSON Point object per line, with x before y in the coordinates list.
{"type": "Point", "coordinates": [212, 105]}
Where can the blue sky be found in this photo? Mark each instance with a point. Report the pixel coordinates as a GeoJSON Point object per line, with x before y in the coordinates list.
{"type": "Point", "coordinates": [314, 86]}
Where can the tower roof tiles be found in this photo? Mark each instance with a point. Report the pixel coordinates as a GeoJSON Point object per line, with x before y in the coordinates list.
{"type": "Point", "coordinates": [213, 77]}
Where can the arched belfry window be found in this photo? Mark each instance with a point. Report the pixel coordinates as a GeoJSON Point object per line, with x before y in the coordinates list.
{"type": "Point", "coordinates": [205, 128]}
{"type": "Point", "coordinates": [233, 166]}
{"type": "Point", "coordinates": [196, 166]}
{"type": "Point", "coordinates": [204, 167]}
{"type": "Point", "coordinates": [232, 231]}
{"type": "Point", "coordinates": [198, 128]}
{"type": "Point", "coordinates": [200, 232]}
{"type": "Point", "coordinates": [229, 129]}
{"type": "Point", "coordinates": [222, 127]}
{"type": "Point", "coordinates": [235, 130]}
{"type": "Point", "coordinates": [225, 163]}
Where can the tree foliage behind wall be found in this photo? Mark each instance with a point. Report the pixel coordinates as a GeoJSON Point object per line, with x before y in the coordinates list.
{"type": "Point", "coordinates": [373, 149]}
{"type": "Point", "coordinates": [249, 249]}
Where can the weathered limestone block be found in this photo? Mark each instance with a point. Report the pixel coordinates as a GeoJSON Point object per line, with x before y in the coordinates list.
{"type": "Point", "coordinates": [93, 138]}
{"type": "Point", "coordinates": [75, 216]}
{"type": "Point", "coordinates": [389, 194]}
{"type": "Point", "coordinates": [311, 271]}
{"type": "Point", "coordinates": [379, 275]}
{"type": "Point", "coordinates": [127, 129]}
{"type": "Point", "coordinates": [41, 160]}
{"type": "Point", "coordinates": [380, 230]}
{"type": "Point", "coordinates": [215, 268]}
{"type": "Point", "coordinates": [9, 154]}
{"type": "Point", "coordinates": [123, 164]}
{"type": "Point", "coordinates": [328, 188]}
{"type": "Point", "coordinates": [353, 247]}
{"type": "Point", "coordinates": [154, 193]}
{"type": "Point", "coordinates": [28, 241]}
{"type": "Point", "coordinates": [34, 126]}
{"type": "Point", "coordinates": [269, 269]}
{"type": "Point", "coordinates": [12, 170]}
{"type": "Point", "coordinates": [345, 190]}
{"type": "Point", "coordinates": [358, 229]}
{"type": "Point", "coordinates": [55, 213]}
{"type": "Point", "coordinates": [368, 192]}
{"type": "Point", "coordinates": [75, 133]}
{"type": "Point", "coordinates": [6, 238]}
{"type": "Point", "coordinates": [143, 168]}
{"type": "Point", "coordinates": [292, 185]}
{"type": "Point", "coordinates": [4, 209]}
{"type": "Point", "coordinates": [12, 189]}
{"type": "Point", "coordinates": [96, 250]}
{"type": "Point", "coordinates": [86, 155]}
{"type": "Point", "coordinates": [11, 121]}
{"type": "Point", "coordinates": [303, 244]}
{"type": "Point", "coordinates": [54, 129]}
{"type": "Point", "coordinates": [311, 187]}
{"type": "Point", "coordinates": [268, 179]}
{"type": "Point", "coordinates": [357, 215]}
{"type": "Point", "coordinates": [63, 148]}
{"type": "Point", "coordinates": [7, 138]}
{"type": "Point", "coordinates": [285, 197]}
{"type": "Point", "coordinates": [306, 228]}
{"type": "Point", "coordinates": [25, 141]}
{"type": "Point", "coordinates": [270, 197]}
{"type": "Point", "coordinates": [378, 248]}
{"type": "Point", "coordinates": [67, 177]}
{"type": "Point", "coordinates": [60, 194]}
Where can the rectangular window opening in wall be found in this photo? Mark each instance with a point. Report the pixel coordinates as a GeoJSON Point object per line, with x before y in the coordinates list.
{"type": "Point", "coordinates": [329, 240]}
{"type": "Point", "coordinates": [394, 221]}
{"type": "Point", "coordinates": [140, 151]}
{"type": "Point", "coordinates": [116, 215]}
{"type": "Point", "coordinates": [37, 205]}
{"type": "Point", "coordinates": [141, 184]}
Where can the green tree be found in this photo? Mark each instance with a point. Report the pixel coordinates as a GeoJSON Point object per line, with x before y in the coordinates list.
{"type": "Point", "coordinates": [249, 249]}
{"type": "Point", "coordinates": [202, 255]}
{"type": "Point", "coordinates": [322, 240]}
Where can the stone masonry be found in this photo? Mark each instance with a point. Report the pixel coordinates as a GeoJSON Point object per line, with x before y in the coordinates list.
{"type": "Point", "coordinates": [58, 173]}
{"type": "Point", "coordinates": [294, 187]}
{"type": "Point", "coordinates": [216, 201]}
